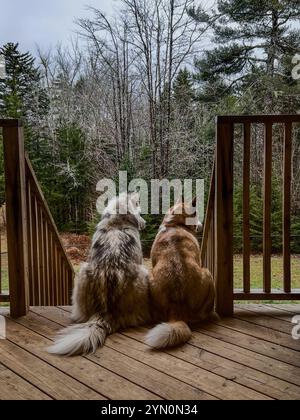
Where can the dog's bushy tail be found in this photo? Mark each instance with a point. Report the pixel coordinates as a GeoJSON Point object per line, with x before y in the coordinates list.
{"type": "Point", "coordinates": [81, 339]}
{"type": "Point", "coordinates": [170, 334]}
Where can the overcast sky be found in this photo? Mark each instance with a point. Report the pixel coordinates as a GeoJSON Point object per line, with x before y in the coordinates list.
{"type": "Point", "coordinates": [43, 22]}
{"type": "Point", "coordinates": [48, 22]}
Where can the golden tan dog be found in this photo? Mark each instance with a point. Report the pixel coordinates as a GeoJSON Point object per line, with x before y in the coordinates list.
{"type": "Point", "coordinates": [182, 293]}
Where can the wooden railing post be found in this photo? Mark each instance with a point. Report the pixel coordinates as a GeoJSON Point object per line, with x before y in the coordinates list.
{"type": "Point", "coordinates": [287, 189]}
{"type": "Point", "coordinates": [267, 188]}
{"type": "Point", "coordinates": [224, 218]}
{"type": "Point", "coordinates": [15, 189]}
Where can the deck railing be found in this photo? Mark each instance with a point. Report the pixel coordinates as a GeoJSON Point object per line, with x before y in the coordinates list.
{"type": "Point", "coordinates": [3, 256]}
{"type": "Point", "coordinates": [40, 272]}
{"type": "Point", "coordinates": [217, 246]}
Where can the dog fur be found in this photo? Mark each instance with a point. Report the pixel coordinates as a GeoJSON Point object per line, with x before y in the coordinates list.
{"type": "Point", "coordinates": [112, 289]}
{"type": "Point", "coordinates": [182, 292]}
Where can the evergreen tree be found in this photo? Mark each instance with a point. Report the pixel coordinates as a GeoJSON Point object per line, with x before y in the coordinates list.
{"type": "Point", "coordinates": [21, 94]}
{"type": "Point", "coordinates": [67, 180]}
{"type": "Point", "coordinates": [252, 38]}
{"type": "Point", "coordinates": [183, 90]}
{"type": "Point", "coordinates": [183, 101]}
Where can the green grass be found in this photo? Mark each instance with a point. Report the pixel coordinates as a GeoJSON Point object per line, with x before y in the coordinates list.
{"type": "Point", "coordinates": [256, 272]}
{"type": "Point", "coordinates": [4, 277]}
{"type": "Point", "coordinates": [4, 282]}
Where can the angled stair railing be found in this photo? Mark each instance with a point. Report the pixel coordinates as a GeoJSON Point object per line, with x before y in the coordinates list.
{"type": "Point", "coordinates": [50, 271]}
{"type": "Point", "coordinates": [217, 243]}
{"type": "Point", "coordinates": [40, 273]}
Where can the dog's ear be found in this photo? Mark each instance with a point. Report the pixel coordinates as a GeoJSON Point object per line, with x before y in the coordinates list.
{"type": "Point", "coordinates": [168, 219]}
{"type": "Point", "coordinates": [135, 196]}
{"type": "Point", "coordinates": [194, 202]}
{"type": "Point", "coordinates": [179, 200]}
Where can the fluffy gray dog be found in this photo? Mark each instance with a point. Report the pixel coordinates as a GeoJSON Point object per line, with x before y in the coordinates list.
{"type": "Point", "coordinates": [112, 289]}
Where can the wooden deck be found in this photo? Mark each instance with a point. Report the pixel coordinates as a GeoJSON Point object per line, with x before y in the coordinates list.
{"type": "Point", "coordinates": [249, 356]}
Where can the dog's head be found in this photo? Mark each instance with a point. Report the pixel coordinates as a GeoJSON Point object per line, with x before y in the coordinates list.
{"type": "Point", "coordinates": [184, 214]}
{"type": "Point", "coordinates": [126, 207]}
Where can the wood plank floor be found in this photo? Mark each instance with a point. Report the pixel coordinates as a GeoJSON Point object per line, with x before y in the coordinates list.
{"type": "Point", "coordinates": [250, 356]}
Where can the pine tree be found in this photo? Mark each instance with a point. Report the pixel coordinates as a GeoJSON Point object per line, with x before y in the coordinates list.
{"type": "Point", "coordinates": [252, 38]}
{"type": "Point", "coordinates": [21, 93]}
{"type": "Point", "coordinates": [22, 96]}
{"type": "Point", "coordinates": [69, 185]}
{"type": "Point", "coordinates": [183, 90]}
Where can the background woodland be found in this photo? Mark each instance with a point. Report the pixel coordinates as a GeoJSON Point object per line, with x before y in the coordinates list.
{"type": "Point", "coordinates": [140, 90]}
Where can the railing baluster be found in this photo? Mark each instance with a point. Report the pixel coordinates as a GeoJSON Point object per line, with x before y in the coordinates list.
{"type": "Point", "coordinates": [29, 238]}
{"type": "Point", "coordinates": [46, 262]}
{"type": "Point", "coordinates": [41, 256]}
{"type": "Point", "coordinates": [50, 262]}
{"type": "Point", "coordinates": [66, 285]}
{"type": "Point", "coordinates": [35, 247]}
{"type": "Point", "coordinates": [58, 284]}
{"type": "Point", "coordinates": [70, 286]}
{"type": "Point", "coordinates": [61, 280]}
{"type": "Point", "coordinates": [246, 208]}
{"type": "Point", "coordinates": [0, 263]}
{"type": "Point", "coordinates": [287, 182]}
{"type": "Point", "coordinates": [54, 273]}
{"type": "Point", "coordinates": [267, 240]}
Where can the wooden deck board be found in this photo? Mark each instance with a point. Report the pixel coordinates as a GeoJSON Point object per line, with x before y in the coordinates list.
{"type": "Point", "coordinates": [44, 377]}
{"type": "Point", "coordinates": [265, 321]}
{"type": "Point", "coordinates": [257, 345]}
{"type": "Point", "coordinates": [161, 384]}
{"type": "Point", "coordinates": [256, 330]}
{"type": "Point", "coordinates": [263, 309]}
{"type": "Point", "coordinates": [107, 384]}
{"type": "Point", "coordinates": [203, 380]}
{"type": "Point", "coordinates": [202, 352]}
{"type": "Point", "coordinates": [249, 356]}
{"type": "Point", "coordinates": [13, 387]}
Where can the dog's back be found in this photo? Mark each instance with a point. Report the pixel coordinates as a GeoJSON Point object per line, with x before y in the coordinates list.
{"type": "Point", "coordinates": [179, 286]}
{"type": "Point", "coordinates": [110, 269]}
{"type": "Point", "coordinates": [181, 291]}
{"type": "Point", "coordinates": [111, 289]}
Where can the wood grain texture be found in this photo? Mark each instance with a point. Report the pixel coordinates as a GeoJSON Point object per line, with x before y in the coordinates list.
{"type": "Point", "coordinates": [287, 185]}
{"type": "Point", "coordinates": [248, 357]}
{"type": "Point", "coordinates": [259, 294]}
{"type": "Point", "coordinates": [16, 219]}
{"type": "Point", "coordinates": [224, 219]}
{"type": "Point", "coordinates": [119, 362]}
{"type": "Point", "coordinates": [102, 381]}
{"type": "Point", "coordinates": [246, 208]}
{"type": "Point", "coordinates": [258, 119]}
{"type": "Point", "coordinates": [267, 199]}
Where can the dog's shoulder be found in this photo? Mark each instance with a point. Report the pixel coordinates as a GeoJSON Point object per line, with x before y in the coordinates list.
{"type": "Point", "coordinates": [175, 239]}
